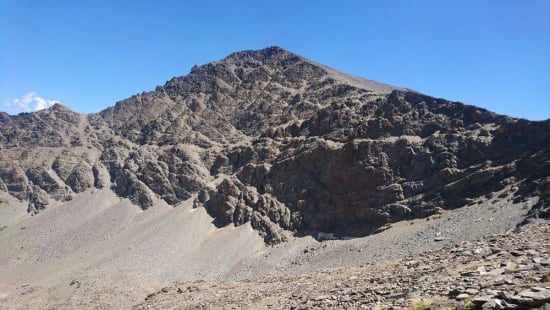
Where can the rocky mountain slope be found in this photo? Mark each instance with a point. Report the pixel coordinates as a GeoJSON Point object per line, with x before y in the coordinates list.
{"type": "Point", "coordinates": [206, 177]}
{"type": "Point", "coordinates": [291, 146]}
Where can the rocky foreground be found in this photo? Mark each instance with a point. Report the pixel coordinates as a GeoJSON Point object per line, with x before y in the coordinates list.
{"type": "Point", "coordinates": [504, 271]}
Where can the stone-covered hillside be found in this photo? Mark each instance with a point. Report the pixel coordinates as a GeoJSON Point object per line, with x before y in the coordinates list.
{"type": "Point", "coordinates": [275, 139]}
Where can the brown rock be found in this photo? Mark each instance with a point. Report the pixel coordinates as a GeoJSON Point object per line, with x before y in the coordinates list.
{"type": "Point", "coordinates": [308, 149]}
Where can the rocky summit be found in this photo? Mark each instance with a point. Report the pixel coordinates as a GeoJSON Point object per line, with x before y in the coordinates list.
{"type": "Point", "coordinates": [269, 140]}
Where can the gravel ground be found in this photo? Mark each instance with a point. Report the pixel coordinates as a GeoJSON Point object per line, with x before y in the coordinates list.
{"type": "Point", "coordinates": [303, 255]}
{"type": "Point", "coordinates": [503, 271]}
{"type": "Point", "coordinates": [99, 251]}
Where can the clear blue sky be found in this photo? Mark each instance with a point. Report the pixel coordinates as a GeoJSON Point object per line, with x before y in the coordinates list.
{"type": "Point", "coordinates": [89, 54]}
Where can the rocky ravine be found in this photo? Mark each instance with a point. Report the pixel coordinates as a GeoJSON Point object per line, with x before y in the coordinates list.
{"type": "Point", "coordinates": [273, 139]}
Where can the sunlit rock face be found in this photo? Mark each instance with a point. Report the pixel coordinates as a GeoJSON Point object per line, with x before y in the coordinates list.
{"type": "Point", "coordinates": [291, 146]}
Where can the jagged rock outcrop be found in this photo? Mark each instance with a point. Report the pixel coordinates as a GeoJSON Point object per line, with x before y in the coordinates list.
{"type": "Point", "coordinates": [233, 202]}
{"type": "Point", "coordinates": [274, 139]}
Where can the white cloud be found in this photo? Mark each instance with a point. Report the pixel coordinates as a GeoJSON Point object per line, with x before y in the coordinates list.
{"type": "Point", "coordinates": [30, 102]}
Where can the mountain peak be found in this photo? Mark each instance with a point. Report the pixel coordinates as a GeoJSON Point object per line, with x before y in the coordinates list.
{"type": "Point", "coordinates": [263, 54]}
{"type": "Point", "coordinates": [308, 148]}
{"type": "Point", "coordinates": [294, 67]}
{"type": "Point", "coordinates": [270, 141]}
{"type": "Point", "coordinates": [59, 107]}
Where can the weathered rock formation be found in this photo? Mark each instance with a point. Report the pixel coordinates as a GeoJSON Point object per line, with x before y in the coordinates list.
{"type": "Point", "coordinates": [272, 138]}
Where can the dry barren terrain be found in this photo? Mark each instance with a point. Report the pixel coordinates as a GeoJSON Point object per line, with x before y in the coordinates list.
{"type": "Point", "coordinates": [100, 251]}
{"type": "Point", "coordinates": [268, 180]}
